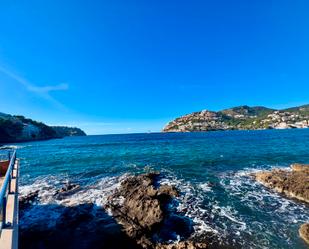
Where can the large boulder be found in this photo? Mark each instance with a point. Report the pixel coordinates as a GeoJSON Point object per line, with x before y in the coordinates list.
{"type": "Point", "coordinates": [140, 205]}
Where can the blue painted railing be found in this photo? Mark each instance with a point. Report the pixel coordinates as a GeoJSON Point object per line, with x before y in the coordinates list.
{"type": "Point", "coordinates": [5, 189]}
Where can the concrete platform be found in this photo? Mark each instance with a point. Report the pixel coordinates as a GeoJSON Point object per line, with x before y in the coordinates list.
{"type": "Point", "coordinates": [1, 180]}
{"type": "Point", "coordinates": [9, 234]}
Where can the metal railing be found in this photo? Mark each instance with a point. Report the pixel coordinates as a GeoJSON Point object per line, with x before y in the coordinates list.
{"type": "Point", "coordinates": [5, 189]}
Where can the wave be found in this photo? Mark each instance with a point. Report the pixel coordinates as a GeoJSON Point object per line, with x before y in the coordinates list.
{"type": "Point", "coordinates": [48, 187]}
{"type": "Point", "coordinates": [268, 214]}
{"type": "Point", "coordinates": [13, 147]}
{"type": "Point", "coordinates": [238, 211]}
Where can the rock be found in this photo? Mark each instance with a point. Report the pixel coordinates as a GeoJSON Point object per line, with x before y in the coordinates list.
{"type": "Point", "coordinates": [183, 245]}
{"type": "Point", "coordinates": [67, 189]}
{"type": "Point", "coordinates": [168, 190]}
{"type": "Point", "coordinates": [304, 232]}
{"type": "Point", "coordinates": [82, 226]}
{"type": "Point", "coordinates": [142, 218]}
{"type": "Point", "coordinates": [293, 183]}
{"type": "Point", "coordinates": [141, 208]}
{"type": "Point", "coordinates": [28, 200]}
{"type": "Point", "coordinates": [300, 167]}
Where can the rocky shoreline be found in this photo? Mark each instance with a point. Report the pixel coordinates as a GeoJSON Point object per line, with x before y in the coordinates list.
{"type": "Point", "coordinates": [16, 128]}
{"type": "Point", "coordinates": [293, 183]}
{"type": "Point", "coordinates": [137, 215]}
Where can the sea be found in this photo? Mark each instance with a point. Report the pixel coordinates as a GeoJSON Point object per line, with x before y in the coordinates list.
{"type": "Point", "coordinates": [212, 170]}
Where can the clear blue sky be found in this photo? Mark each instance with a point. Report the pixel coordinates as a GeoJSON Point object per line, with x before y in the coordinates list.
{"type": "Point", "coordinates": [131, 66]}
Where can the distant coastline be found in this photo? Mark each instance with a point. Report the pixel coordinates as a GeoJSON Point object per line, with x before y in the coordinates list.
{"type": "Point", "coordinates": [241, 118]}
{"type": "Point", "coordinates": [20, 129]}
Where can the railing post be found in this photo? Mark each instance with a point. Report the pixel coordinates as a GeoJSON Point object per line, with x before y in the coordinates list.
{"type": "Point", "coordinates": [3, 213]}
{"type": "Point", "coordinates": [9, 187]}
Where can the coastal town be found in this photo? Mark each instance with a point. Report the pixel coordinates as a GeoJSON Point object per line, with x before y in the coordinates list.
{"type": "Point", "coordinates": [241, 118]}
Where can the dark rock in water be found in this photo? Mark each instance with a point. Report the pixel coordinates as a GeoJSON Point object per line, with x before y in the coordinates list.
{"type": "Point", "coordinates": [142, 210]}
{"type": "Point", "coordinates": [304, 232]}
{"type": "Point", "coordinates": [66, 190]}
{"type": "Point", "coordinates": [142, 218]}
{"type": "Point", "coordinates": [83, 226]}
{"type": "Point", "coordinates": [69, 187]}
{"type": "Point", "coordinates": [28, 200]}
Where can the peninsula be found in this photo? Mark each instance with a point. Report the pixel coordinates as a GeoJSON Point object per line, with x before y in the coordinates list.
{"type": "Point", "coordinates": [19, 129]}
{"type": "Point", "coordinates": [241, 118]}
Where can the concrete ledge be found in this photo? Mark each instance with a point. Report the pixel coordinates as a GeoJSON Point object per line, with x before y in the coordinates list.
{"type": "Point", "coordinates": [9, 235]}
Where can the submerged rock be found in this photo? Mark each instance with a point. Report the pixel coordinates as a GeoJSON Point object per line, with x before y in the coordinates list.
{"type": "Point", "coordinates": [304, 232]}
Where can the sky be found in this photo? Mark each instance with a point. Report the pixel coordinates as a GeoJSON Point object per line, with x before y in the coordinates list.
{"type": "Point", "coordinates": [125, 66]}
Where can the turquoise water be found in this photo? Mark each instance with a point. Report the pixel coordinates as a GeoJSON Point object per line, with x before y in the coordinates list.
{"type": "Point", "coordinates": [211, 169]}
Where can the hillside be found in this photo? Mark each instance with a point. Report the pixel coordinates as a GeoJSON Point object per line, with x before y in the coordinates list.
{"type": "Point", "coordinates": [63, 131]}
{"type": "Point", "coordinates": [19, 128]}
{"type": "Point", "coordinates": [241, 118]}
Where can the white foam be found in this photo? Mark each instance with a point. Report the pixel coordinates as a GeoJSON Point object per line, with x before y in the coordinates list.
{"type": "Point", "coordinates": [205, 187]}
{"type": "Point", "coordinates": [47, 211]}
{"type": "Point", "coordinates": [209, 214]}
{"type": "Point", "coordinates": [13, 147]}
{"type": "Point", "coordinates": [96, 193]}
{"type": "Point", "coordinates": [198, 201]}
{"type": "Point", "coordinates": [283, 213]}
{"type": "Point", "coordinates": [190, 203]}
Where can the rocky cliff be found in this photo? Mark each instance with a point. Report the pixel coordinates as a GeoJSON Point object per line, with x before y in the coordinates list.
{"type": "Point", "coordinates": [63, 131]}
{"type": "Point", "coordinates": [19, 128]}
{"type": "Point", "coordinates": [241, 118]}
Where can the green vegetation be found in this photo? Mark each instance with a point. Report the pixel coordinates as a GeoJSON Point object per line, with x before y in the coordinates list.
{"type": "Point", "coordinates": [18, 128]}
{"type": "Point", "coordinates": [302, 110]}
{"type": "Point", "coordinates": [242, 118]}
{"type": "Point", "coordinates": [248, 111]}
{"type": "Point", "coordinates": [63, 131]}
